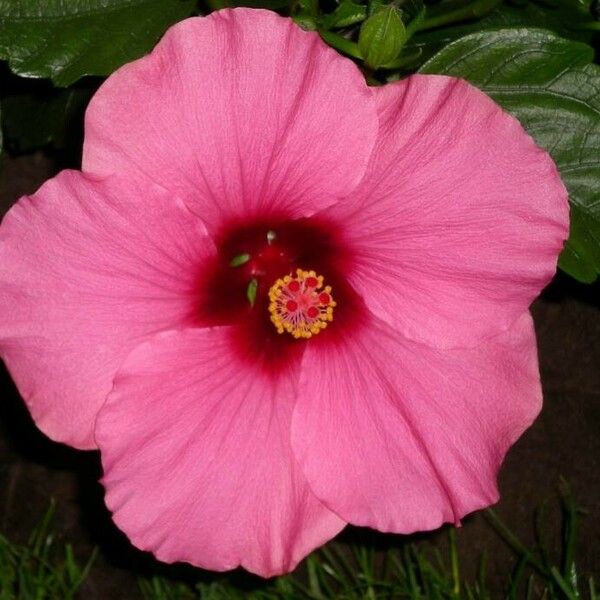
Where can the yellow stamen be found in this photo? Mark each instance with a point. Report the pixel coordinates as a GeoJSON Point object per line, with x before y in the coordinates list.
{"type": "Point", "coordinates": [300, 305]}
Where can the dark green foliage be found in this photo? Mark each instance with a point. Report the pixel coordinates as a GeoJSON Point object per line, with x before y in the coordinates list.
{"type": "Point", "coordinates": [67, 39]}
{"type": "Point", "coordinates": [564, 17]}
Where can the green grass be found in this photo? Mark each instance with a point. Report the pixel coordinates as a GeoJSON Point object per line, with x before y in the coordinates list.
{"type": "Point", "coordinates": [416, 571]}
{"type": "Point", "coordinates": [40, 570]}
{"type": "Point", "coordinates": [45, 569]}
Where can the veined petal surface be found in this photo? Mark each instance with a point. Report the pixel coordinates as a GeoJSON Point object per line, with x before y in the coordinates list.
{"type": "Point", "coordinates": [402, 437]}
{"type": "Point", "coordinates": [459, 221]}
{"type": "Point", "coordinates": [240, 113]}
{"type": "Point", "coordinates": [88, 270]}
{"type": "Point", "coordinates": [197, 460]}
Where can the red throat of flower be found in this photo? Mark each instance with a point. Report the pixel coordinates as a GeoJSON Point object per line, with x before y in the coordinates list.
{"type": "Point", "coordinates": [279, 276]}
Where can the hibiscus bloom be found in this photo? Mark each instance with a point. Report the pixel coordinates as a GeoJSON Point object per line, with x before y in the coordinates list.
{"type": "Point", "coordinates": [280, 301]}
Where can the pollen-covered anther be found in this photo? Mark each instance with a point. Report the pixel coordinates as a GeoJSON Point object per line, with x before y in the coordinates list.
{"type": "Point", "coordinates": [300, 304]}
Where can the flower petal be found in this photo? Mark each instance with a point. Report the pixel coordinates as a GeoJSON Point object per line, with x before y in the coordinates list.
{"type": "Point", "coordinates": [88, 270]}
{"type": "Point", "coordinates": [240, 112]}
{"type": "Point", "coordinates": [197, 459]}
{"type": "Point", "coordinates": [459, 221]}
{"type": "Point", "coordinates": [403, 437]}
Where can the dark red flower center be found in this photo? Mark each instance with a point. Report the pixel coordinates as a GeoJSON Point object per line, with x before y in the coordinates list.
{"type": "Point", "coordinates": [275, 276]}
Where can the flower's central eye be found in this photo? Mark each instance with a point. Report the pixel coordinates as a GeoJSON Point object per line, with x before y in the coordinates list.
{"type": "Point", "coordinates": [300, 304]}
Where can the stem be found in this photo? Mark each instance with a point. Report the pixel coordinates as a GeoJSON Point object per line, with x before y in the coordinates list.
{"type": "Point", "coordinates": [539, 529]}
{"type": "Point", "coordinates": [473, 10]}
{"type": "Point", "coordinates": [563, 585]}
{"type": "Point", "coordinates": [313, 8]}
{"type": "Point", "coordinates": [513, 541]}
{"type": "Point", "coordinates": [403, 60]}
{"type": "Point", "coordinates": [415, 24]}
{"type": "Point", "coordinates": [341, 43]}
{"type": "Point", "coordinates": [588, 26]}
{"type": "Point", "coordinates": [571, 523]}
{"type": "Point", "coordinates": [454, 562]}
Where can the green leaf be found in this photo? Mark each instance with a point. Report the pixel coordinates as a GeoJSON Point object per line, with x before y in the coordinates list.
{"type": "Point", "coordinates": [562, 17]}
{"type": "Point", "coordinates": [581, 256]}
{"type": "Point", "coordinates": [412, 10]}
{"type": "Point", "coordinates": [346, 14]}
{"type": "Point", "coordinates": [381, 37]}
{"type": "Point", "coordinates": [67, 39]}
{"type": "Point", "coordinates": [552, 87]}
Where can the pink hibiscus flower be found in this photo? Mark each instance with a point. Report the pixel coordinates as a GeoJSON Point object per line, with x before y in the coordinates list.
{"type": "Point", "coordinates": [280, 301]}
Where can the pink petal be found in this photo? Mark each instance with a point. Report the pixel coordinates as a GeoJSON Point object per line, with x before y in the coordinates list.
{"type": "Point", "coordinates": [240, 113]}
{"type": "Point", "coordinates": [459, 221]}
{"type": "Point", "coordinates": [88, 270]}
{"type": "Point", "coordinates": [197, 459]}
{"type": "Point", "coordinates": [403, 437]}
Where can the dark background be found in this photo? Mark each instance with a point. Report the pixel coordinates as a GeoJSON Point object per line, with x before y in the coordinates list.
{"type": "Point", "coordinates": [563, 443]}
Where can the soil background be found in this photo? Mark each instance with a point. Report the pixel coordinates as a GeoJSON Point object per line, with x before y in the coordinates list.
{"type": "Point", "coordinates": [563, 443]}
